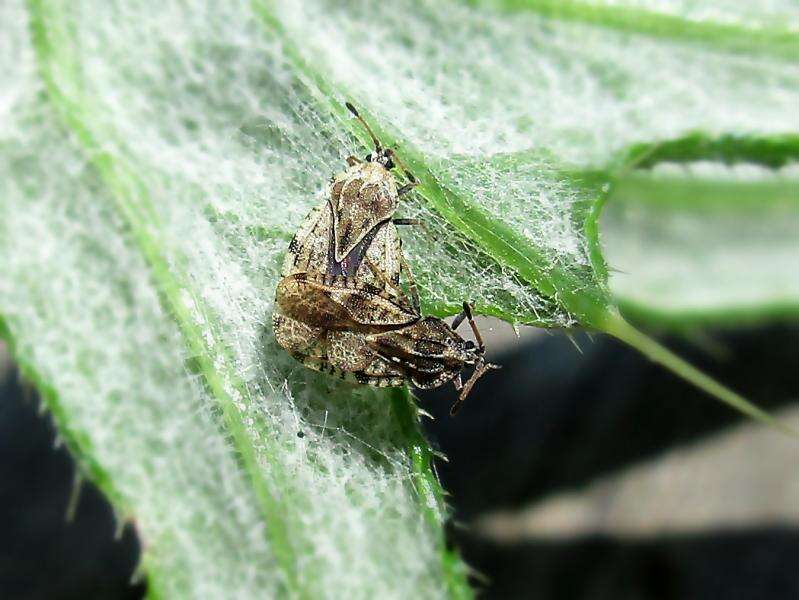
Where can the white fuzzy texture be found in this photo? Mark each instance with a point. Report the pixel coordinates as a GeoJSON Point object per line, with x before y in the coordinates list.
{"type": "Point", "coordinates": [84, 313]}
{"type": "Point", "coordinates": [780, 15]}
{"type": "Point", "coordinates": [218, 151]}
{"type": "Point", "coordinates": [82, 306]}
{"type": "Point", "coordinates": [502, 102]}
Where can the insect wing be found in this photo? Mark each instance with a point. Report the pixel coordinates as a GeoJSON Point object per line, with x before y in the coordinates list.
{"type": "Point", "coordinates": [308, 249]}
{"type": "Point", "coordinates": [335, 305]}
{"type": "Point", "coordinates": [313, 249]}
{"type": "Point", "coordinates": [341, 354]}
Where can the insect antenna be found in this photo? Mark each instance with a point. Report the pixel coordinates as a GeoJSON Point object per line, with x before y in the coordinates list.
{"type": "Point", "coordinates": [357, 115]}
{"type": "Point", "coordinates": [467, 315]}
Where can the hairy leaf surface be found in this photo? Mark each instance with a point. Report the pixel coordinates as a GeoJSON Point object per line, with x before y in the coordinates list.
{"type": "Point", "coordinates": [157, 157]}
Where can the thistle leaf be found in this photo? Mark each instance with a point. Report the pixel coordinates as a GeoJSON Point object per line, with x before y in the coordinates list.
{"type": "Point", "coordinates": [157, 157]}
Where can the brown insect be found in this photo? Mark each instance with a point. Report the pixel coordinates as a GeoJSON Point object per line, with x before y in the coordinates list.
{"type": "Point", "coordinates": [335, 316]}
{"type": "Point", "coordinates": [354, 224]}
{"type": "Point", "coordinates": [365, 335]}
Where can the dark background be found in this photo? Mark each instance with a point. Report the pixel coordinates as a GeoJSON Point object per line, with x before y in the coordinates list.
{"type": "Point", "coordinates": [552, 420]}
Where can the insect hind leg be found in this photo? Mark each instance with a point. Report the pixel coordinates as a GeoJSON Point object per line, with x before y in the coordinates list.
{"type": "Point", "coordinates": [414, 291]}
{"type": "Point", "coordinates": [393, 286]}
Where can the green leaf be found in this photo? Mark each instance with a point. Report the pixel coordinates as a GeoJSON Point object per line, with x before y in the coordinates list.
{"type": "Point", "coordinates": [493, 118]}
{"type": "Point", "coordinates": [138, 303]}
{"type": "Point", "coordinates": [158, 156]}
{"type": "Point", "coordinates": [704, 243]}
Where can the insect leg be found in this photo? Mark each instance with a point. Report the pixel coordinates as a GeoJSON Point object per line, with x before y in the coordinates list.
{"type": "Point", "coordinates": [412, 181]}
{"type": "Point", "coordinates": [407, 187]}
{"type": "Point", "coordinates": [467, 314]}
{"type": "Point", "coordinates": [458, 383]}
{"type": "Point", "coordinates": [456, 322]}
{"type": "Point", "coordinates": [353, 160]}
{"type": "Point", "coordinates": [417, 222]}
{"type": "Point", "coordinates": [382, 277]}
{"type": "Point", "coordinates": [414, 291]}
{"type": "Point", "coordinates": [482, 369]}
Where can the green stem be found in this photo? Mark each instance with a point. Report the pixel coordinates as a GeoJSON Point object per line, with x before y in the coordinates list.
{"type": "Point", "coordinates": [734, 315]}
{"type": "Point", "coordinates": [616, 326]}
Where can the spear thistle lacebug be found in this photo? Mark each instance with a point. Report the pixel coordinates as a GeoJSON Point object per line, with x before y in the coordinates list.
{"type": "Point", "coordinates": [354, 224]}
{"type": "Point", "coordinates": [334, 316]}
{"type": "Point", "coordinates": [425, 352]}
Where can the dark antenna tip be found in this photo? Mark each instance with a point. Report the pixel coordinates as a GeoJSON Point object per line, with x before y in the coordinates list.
{"type": "Point", "coordinates": [371, 133]}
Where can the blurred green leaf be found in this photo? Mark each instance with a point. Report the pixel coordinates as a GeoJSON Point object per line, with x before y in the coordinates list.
{"type": "Point", "coordinates": [156, 158]}
{"type": "Point", "coordinates": [704, 244]}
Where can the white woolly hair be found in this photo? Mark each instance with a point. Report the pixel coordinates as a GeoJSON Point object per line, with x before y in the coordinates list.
{"type": "Point", "coordinates": [182, 131]}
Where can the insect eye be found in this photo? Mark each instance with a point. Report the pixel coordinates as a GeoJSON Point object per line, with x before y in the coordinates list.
{"type": "Point", "coordinates": [389, 164]}
{"type": "Point", "coordinates": [469, 345]}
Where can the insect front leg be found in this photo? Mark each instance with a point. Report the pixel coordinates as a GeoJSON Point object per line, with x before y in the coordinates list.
{"type": "Point", "coordinates": [412, 181]}
{"type": "Point", "coordinates": [458, 383]}
{"type": "Point", "coordinates": [414, 291]}
{"type": "Point", "coordinates": [381, 276]}
{"type": "Point", "coordinates": [406, 188]}
{"type": "Point", "coordinates": [418, 223]}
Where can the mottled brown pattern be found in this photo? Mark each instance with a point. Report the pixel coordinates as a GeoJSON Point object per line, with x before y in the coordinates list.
{"type": "Point", "coordinates": [367, 197]}
{"type": "Point", "coordinates": [338, 303]}
{"type": "Point", "coordinates": [443, 355]}
{"type": "Point", "coordinates": [310, 248]}
{"type": "Point", "coordinates": [339, 307]}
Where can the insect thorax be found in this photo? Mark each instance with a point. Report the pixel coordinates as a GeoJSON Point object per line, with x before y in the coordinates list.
{"type": "Point", "coordinates": [361, 198]}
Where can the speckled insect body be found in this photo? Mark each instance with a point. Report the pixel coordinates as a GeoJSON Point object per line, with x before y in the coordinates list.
{"type": "Point", "coordinates": [339, 306]}
{"type": "Point", "coordinates": [353, 226]}
{"type": "Point", "coordinates": [362, 336]}
{"type": "Point", "coordinates": [314, 247]}
{"type": "Point", "coordinates": [355, 223]}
